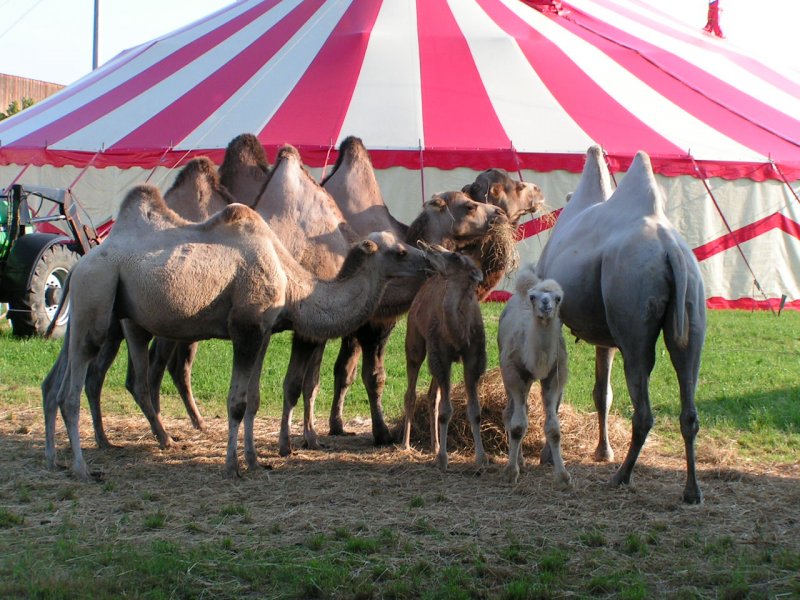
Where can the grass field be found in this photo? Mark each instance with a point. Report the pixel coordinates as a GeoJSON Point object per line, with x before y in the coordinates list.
{"type": "Point", "coordinates": [355, 521]}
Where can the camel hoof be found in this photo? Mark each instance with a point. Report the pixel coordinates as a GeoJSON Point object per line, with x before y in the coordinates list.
{"type": "Point", "coordinates": [167, 443]}
{"type": "Point", "coordinates": [481, 460]}
{"type": "Point", "coordinates": [285, 450]}
{"type": "Point", "coordinates": [382, 437]}
{"type": "Point", "coordinates": [603, 454]}
{"type": "Point", "coordinates": [512, 474]}
{"type": "Point", "coordinates": [199, 425]}
{"type": "Point", "coordinates": [441, 463]}
{"type": "Point", "coordinates": [313, 444]}
{"type": "Point", "coordinates": [232, 473]}
{"type": "Point", "coordinates": [693, 495]}
{"type": "Point", "coordinates": [106, 445]}
{"type": "Point", "coordinates": [564, 479]}
{"type": "Point", "coordinates": [620, 478]}
{"type": "Point", "coordinates": [337, 428]}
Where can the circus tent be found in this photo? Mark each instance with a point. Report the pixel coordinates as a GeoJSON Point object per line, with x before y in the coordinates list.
{"type": "Point", "coordinates": [438, 90]}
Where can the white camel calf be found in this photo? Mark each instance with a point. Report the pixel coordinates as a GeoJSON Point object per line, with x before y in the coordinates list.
{"type": "Point", "coordinates": [532, 347]}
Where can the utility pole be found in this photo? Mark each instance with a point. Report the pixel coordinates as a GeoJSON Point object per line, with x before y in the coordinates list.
{"type": "Point", "coordinates": [96, 28]}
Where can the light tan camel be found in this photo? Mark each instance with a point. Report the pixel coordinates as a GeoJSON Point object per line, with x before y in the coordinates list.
{"type": "Point", "coordinates": [532, 348]}
{"type": "Point", "coordinates": [355, 189]}
{"type": "Point", "coordinates": [237, 281]}
{"type": "Point", "coordinates": [195, 194]}
{"type": "Point", "coordinates": [627, 274]}
{"type": "Point", "coordinates": [517, 199]}
{"type": "Point", "coordinates": [445, 323]}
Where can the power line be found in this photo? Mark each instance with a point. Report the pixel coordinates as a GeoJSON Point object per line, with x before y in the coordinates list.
{"type": "Point", "coordinates": [25, 14]}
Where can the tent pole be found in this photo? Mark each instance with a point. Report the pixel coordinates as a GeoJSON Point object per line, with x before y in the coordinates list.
{"type": "Point", "coordinates": [153, 170]}
{"type": "Point", "coordinates": [701, 177]}
{"type": "Point", "coordinates": [608, 165]}
{"type": "Point", "coordinates": [516, 160]}
{"type": "Point", "coordinates": [421, 172]}
{"type": "Point", "coordinates": [327, 157]}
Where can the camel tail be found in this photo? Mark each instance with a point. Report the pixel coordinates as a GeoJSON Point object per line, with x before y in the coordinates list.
{"type": "Point", "coordinates": [680, 275]}
{"type": "Point", "coordinates": [526, 279]}
{"type": "Point", "coordinates": [64, 293]}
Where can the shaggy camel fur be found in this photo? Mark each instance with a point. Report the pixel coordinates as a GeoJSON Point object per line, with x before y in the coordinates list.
{"type": "Point", "coordinates": [445, 323]}
{"type": "Point", "coordinates": [517, 199]}
{"type": "Point", "coordinates": [353, 185]}
{"type": "Point", "coordinates": [627, 275]}
{"type": "Point", "coordinates": [195, 193]}
{"type": "Point", "coordinates": [238, 280]}
{"type": "Point", "coordinates": [532, 348]}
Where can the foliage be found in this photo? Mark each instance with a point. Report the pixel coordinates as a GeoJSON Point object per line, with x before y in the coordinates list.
{"type": "Point", "coordinates": [14, 107]}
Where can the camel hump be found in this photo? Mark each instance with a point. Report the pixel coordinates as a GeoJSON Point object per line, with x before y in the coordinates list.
{"type": "Point", "coordinates": [200, 167]}
{"type": "Point", "coordinates": [236, 215]}
{"type": "Point", "coordinates": [595, 182]}
{"type": "Point", "coordinates": [245, 148]}
{"type": "Point", "coordinates": [526, 279]}
{"type": "Point", "coordinates": [351, 150]}
{"type": "Point", "coordinates": [287, 151]}
{"type": "Point", "coordinates": [143, 204]}
{"type": "Point", "coordinates": [638, 193]}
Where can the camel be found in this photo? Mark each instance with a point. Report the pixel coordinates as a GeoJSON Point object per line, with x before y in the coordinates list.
{"type": "Point", "coordinates": [353, 186]}
{"type": "Point", "coordinates": [627, 275]}
{"type": "Point", "coordinates": [445, 323]}
{"type": "Point", "coordinates": [532, 348]}
{"type": "Point", "coordinates": [497, 254]}
{"type": "Point", "coordinates": [195, 193]}
{"type": "Point", "coordinates": [238, 281]}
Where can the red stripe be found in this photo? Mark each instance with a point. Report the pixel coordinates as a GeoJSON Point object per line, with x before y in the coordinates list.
{"type": "Point", "coordinates": [141, 82]}
{"type": "Point", "coordinates": [746, 233]}
{"type": "Point", "coordinates": [590, 106]}
{"type": "Point", "coordinates": [748, 63]}
{"type": "Point", "coordinates": [180, 118]}
{"type": "Point", "coordinates": [478, 160]}
{"type": "Point", "coordinates": [316, 107]}
{"type": "Point", "coordinates": [538, 225]}
{"type": "Point", "coordinates": [722, 106]}
{"type": "Point", "coordinates": [456, 111]}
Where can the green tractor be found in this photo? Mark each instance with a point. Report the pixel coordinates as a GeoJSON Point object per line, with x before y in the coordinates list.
{"type": "Point", "coordinates": [38, 247]}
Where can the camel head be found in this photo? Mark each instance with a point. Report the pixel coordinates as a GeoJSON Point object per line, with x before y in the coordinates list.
{"type": "Point", "coordinates": [383, 252]}
{"type": "Point", "coordinates": [545, 298]}
{"type": "Point", "coordinates": [454, 219]}
{"type": "Point", "coordinates": [516, 198]}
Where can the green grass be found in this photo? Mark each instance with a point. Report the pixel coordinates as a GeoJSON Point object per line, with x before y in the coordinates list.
{"type": "Point", "coordinates": [749, 387]}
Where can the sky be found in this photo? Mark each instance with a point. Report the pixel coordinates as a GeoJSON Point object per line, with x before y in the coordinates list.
{"type": "Point", "coordinates": [51, 40]}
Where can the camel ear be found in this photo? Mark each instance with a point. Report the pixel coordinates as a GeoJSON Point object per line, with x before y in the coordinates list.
{"type": "Point", "coordinates": [368, 247]}
{"type": "Point", "coordinates": [495, 190]}
{"type": "Point", "coordinates": [438, 203]}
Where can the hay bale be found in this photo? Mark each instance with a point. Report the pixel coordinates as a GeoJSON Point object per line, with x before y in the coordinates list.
{"type": "Point", "coordinates": [578, 430]}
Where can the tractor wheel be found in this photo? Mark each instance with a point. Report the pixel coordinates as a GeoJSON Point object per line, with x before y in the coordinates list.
{"type": "Point", "coordinates": [33, 311]}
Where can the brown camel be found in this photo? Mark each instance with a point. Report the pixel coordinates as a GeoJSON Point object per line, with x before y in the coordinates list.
{"type": "Point", "coordinates": [628, 275]}
{"type": "Point", "coordinates": [195, 193]}
{"type": "Point", "coordinates": [445, 323]}
{"type": "Point", "coordinates": [238, 280]}
{"type": "Point", "coordinates": [353, 185]}
{"type": "Point", "coordinates": [517, 199]}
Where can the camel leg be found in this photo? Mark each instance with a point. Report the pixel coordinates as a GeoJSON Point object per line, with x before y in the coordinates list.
{"type": "Point", "coordinates": [415, 356]}
{"type": "Point", "coordinates": [95, 378]}
{"type": "Point", "coordinates": [180, 369]}
{"type": "Point", "coordinates": [247, 347]}
{"type": "Point", "coordinates": [552, 390]}
{"type": "Point", "coordinates": [686, 362]}
{"type": "Point", "coordinates": [310, 390]}
{"type": "Point", "coordinates": [51, 390]}
{"type": "Point", "coordinates": [473, 369]}
{"type": "Point", "coordinates": [434, 400]}
{"type": "Point", "coordinates": [603, 396]}
{"type": "Point", "coordinates": [303, 352]}
{"type": "Point", "coordinates": [440, 368]}
{"type": "Point", "coordinates": [344, 374]}
{"type": "Point", "coordinates": [515, 419]}
{"type": "Point", "coordinates": [638, 366]}
{"type": "Point", "coordinates": [161, 352]}
{"type": "Point", "coordinates": [253, 404]}
{"type": "Point", "coordinates": [80, 353]}
{"type": "Point", "coordinates": [138, 339]}
{"type": "Point", "coordinates": [373, 340]}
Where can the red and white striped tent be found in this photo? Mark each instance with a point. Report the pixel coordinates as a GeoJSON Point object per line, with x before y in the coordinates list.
{"type": "Point", "coordinates": [440, 89]}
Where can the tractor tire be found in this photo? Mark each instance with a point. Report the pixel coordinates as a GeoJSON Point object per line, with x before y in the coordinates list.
{"type": "Point", "coordinates": [32, 312]}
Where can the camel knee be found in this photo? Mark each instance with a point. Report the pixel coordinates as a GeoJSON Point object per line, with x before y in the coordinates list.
{"type": "Point", "coordinates": [690, 424]}
{"type": "Point", "coordinates": [236, 411]}
{"type": "Point", "coordinates": [517, 432]}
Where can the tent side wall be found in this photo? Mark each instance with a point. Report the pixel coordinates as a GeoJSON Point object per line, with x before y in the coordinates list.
{"type": "Point", "coordinates": [746, 237]}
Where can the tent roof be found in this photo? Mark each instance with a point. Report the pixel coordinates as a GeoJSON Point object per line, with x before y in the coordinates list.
{"type": "Point", "coordinates": [474, 83]}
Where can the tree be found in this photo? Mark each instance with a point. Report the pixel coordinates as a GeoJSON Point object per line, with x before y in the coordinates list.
{"type": "Point", "coordinates": [14, 108]}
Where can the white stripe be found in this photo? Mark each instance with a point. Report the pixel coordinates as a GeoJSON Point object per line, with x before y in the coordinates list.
{"type": "Point", "coordinates": [108, 80]}
{"type": "Point", "coordinates": [386, 108]}
{"type": "Point", "coordinates": [120, 122]}
{"type": "Point", "coordinates": [700, 55]}
{"type": "Point", "coordinates": [532, 118]}
{"type": "Point", "coordinates": [257, 101]}
{"type": "Point", "coordinates": [651, 108]}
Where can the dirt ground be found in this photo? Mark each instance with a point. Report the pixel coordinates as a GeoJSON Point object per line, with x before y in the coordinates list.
{"type": "Point", "coordinates": [353, 485]}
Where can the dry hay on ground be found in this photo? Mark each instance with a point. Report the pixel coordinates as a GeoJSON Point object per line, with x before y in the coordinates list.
{"type": "Point", "coordinates": [446, 518]}
{"type": "Point", "coordinates": [578, 431]}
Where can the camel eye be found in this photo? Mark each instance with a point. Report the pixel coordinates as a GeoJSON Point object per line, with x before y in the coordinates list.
{"type": "Point", "coordinates": [472, 208]}
{"type": "Point", "coordinates": [402, 253]}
